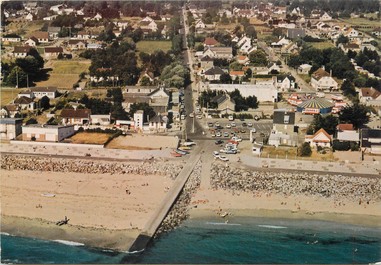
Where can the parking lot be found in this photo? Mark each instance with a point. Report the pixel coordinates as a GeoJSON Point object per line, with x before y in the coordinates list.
{"type": "Point", "coordinates": [224, 129]}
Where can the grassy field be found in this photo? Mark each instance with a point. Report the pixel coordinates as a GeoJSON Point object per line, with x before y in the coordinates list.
{"type": "Point", "coordinates": [290, 152]}
{"type": "Point", "coordinates": [25, 28]}
{"type": "Point", "coordinates": [89, 138]}
{"type": "Point", "coordinates": [7, 95]}
{"type": "Point", "coordinates": [306, 78]}
{"type": "Point", "coordinates": [151, 46]}
{"type": "Point", "coordinates": [321, 45]}
{"type": "Point", "coordinates": [65, 73]}
{"type": "Point", "coordinates": [364, 24]}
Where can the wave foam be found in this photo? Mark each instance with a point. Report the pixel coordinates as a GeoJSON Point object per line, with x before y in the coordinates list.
{"type": "Point", "coordinates": [4, 234]}
{"type": "Point", "coordinates": [273, 226]}
{"type": "Point", "coordinates": [213, 223]}
{"type": "Point", "coordinates": [69, 243]}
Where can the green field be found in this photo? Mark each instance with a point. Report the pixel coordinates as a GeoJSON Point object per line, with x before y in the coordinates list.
{"type": "Point", "coordinates": [7, 95]}
{"type": "Point", "coordinates": [65, 73]}
{"type": "Point", "coordinates": [321, 45]}
{"type": "Point", "coordinates": [151, 46]}
{"type": "Point", "coordinates": [364, 24]}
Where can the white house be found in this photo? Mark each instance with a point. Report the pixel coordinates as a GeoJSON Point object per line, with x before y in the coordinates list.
{"type": "Point", "coordinates": [304, 69]}
{"type": "Point", "coordinates": [321, 80]}
{"type": "Point", "coordinates": [320, 138]}
{"type": "Point", "coordinates": [213, 73]}
{"type": "Point", "coordinates": [263, 92]}
{"type": "Point", "coordinates": [29, 17]}
{"type": "Point", "coordinates": [138, 119]}
{"type": "Point", "coordinates": [76, 116]}
{"type": "Point", "coordinates": [32, 41]}
{"type": "Point", "coordinates": [325, 17]}
{"type": "Point", "coordinates": [39, 92]}
{"type": "Point", "coordinates": [285, 83]}
{"type": "Point", "coordinates": [25, 103]}
{"type": "Point", "coordinates": [46, 133]}
{"type": "Point", "coordinates": [101, 119]}
{"type": "Point", "coordinates": [370, 96]}
{"type": "Point", "coordinates": [371, 140]}
{"type": "Point", "coordinates": [346, 132]}
{"type": "Point", "coordinates": [200, 25]}
{"type": "Point", "coordinates": [21, 51]}
{"type": "Point", "coordinates": [158, 123]}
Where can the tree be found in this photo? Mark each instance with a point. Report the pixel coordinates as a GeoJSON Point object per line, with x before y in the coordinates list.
{"type": "Point", "coordinates": [252, 102]}
{"type": "Point", "coordinates": [357, 114]}
{"type": "Point", "coordinates": [342, 39]}
{"type": "Point", "coordinates": [44, 103]}
{"type": "Point", "coordinates": [146, 109]}
{"type": "Point", "coordinates": [305, 150]}
{"type": "Point", "coordinates": [258, 58]}
{"type": "Point", "coordinates": [177, 43]}
{"type": "Point", "coordinates": [251, 32]}
{"type": "Point", "coordinates": [328, 123]}
{"type": "Point", "coordinates": [348, 88]}
{"type": "Point", "coordinates": [31, 121]}
{"type": "Point", "coordinates": [225, 78]}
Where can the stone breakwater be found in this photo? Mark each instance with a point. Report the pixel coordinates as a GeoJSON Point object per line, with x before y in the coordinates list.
{"type": "Point", "coordinates": [179, 211]}
{"type": "Point", "coordinates": [13, 162]}
{"type": "Point", "coordinates": [357, 188]}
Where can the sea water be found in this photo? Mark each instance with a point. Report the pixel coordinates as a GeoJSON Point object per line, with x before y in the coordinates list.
{"type": "Point", "coordinates": [241, 240]}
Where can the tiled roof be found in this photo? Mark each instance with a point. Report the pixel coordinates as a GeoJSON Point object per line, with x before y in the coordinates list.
{"type": "Point", "coordinates": [41, 35]}
{"type": "Point", "coordinates": [210, 41]}
{"type": "Point", "coordinates": [214, 71]}
{"type": "Point", "coordinates": [345, 127]}
{"type": "Point", "coordinates": [53, 49]}
{"type": "Point", "coordinates": [370, 92]}
{"type": "Point", "coordinates": [23, 100]}
{"type": "Point", "coordinates": [21, 49]}
{"type": "Point", "coordinates": [319, 73]}
{"type": "Point", "coordinates": [75, 113]}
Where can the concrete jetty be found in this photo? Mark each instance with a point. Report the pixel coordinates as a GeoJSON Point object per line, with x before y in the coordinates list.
{"type": "Point", "coordinates": [161, 212]}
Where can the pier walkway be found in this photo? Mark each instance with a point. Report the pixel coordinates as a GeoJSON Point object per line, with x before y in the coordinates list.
{"type": "Point", "coordinates": [161, 212]}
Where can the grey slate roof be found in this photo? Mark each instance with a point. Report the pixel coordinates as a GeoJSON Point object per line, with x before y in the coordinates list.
{"type": "Point", "coordinates": [214, 71]}
{"type": "Point", "coordinates": [280, 117]}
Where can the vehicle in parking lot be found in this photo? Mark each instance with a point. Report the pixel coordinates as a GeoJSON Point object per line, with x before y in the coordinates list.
{"type": "Point", "coordinates": [233, 124]}
{"type": "Point", "coordinates": [249, 124]}
{"type": "Point", "coordinates": [216, 154]}
{"type": "Point", "coordinates": [241, 119]}
{"type": "Point", "coordinates": [236, 138]}
{"type": "Point", "coordinates": [199, 116]}
{"type": "Point", "coordinates": [262, 135]}
{"type": "Point", "coordinates": [218, 134]}
{"type": "Point", "coordinates": [182, 117]}
{"type": "Point", "coordinates": [223, 158]}
{"type": "Point", "coordinates": [219, 127]}
{"type": "Point", "coordinates": [189, 142]}
{"type": "Point", "coordinates": [217, 124]}
{"type": "Point", "coordinates": [228, 126]}
{"type": "Point", "coordinates": [181, 152]}
{"type": "Point", "coordinates": [256, 117]}
{"type": "Point", "coordinates": [232, 151]}
{"type": "Point", "coordinates": [244, 124]}
{"type": "Point", "coordinates": [210, 124]}
{"type": "Point", "coordinates": [254, 130]}
{"type": "Point", "coordinates": [243, 131]}
{"type": "Point", "coordinates": [231, 118]}
{"type": "Point", "coordinates": [191, 115]}
{"type": "Point", "coordinates": [226, 134]}
{"type": "Point", "coordinates": [217, 142]}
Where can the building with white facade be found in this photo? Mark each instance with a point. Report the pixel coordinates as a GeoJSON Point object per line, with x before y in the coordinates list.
{"type": "Point", "coordinates": [46, 133]}
{"type": "Point", "coordinates": [263, 92]}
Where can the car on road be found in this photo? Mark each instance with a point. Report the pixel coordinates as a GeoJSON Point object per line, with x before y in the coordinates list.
{"type": "Point", "coordinates": [233, 124]}
{"type": "Point", "coordinates": [226, 134]}
{"type": "Point", "coordinates": [223, 158]}
{"type": "Point", "coordinates": [228, 126]}
{"type": "Point", "coordinates": [256, 117]}
{"type": "Point", "coordinates": [231, 151]}
{"type": "Point", "coordinates": [250, 124]}
{"type": "Point", "coordinates": [254, 130]}
{"type": "Point", "coordinates": [236, 139]}
{"type": "Point", "coordinates": [191, 115]}
{"type": "Point", "coordinates": [218, 142]}
{"type": "Point", "coordinates": [182, 117]}
{"type": "Point", "coordinates": [262, 135]}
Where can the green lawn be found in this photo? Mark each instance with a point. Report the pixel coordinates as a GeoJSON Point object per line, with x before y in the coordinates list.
{"type": "Point", "coordinates": [321, 45]}
{"type": "Point", "coordinates": [151, 46]}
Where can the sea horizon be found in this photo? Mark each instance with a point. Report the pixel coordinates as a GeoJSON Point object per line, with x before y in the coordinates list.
{"type": "Point", "coordinates": [211, 240]}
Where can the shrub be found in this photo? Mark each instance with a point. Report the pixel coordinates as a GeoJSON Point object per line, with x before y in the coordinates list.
{"type": "Point", "coordinates": [340, 146]}
{"type": "Point", "coordinates": [305, 150]}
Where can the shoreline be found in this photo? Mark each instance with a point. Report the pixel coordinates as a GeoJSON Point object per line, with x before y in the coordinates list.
{"type": "Point", "coordinates": [369, 221]}
{"type": "Point", "coordinates": [107, 239]}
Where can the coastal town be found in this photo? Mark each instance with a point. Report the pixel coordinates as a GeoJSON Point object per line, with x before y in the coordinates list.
{"type": "Point", "coordinates": [122, 119]}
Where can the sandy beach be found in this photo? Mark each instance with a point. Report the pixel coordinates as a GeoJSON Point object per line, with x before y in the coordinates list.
{"type": "Point", "coordinates": [115, 205]}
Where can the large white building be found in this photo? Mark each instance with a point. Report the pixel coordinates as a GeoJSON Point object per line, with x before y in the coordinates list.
{"type": "Point", "coordinates": [263, 92]}
{"type": "Point", "coordinates": [46, 133]}
{"type": "Point", "coordinates": [322, 80]}
{"type": "Point", "coordinates": [10, 128]}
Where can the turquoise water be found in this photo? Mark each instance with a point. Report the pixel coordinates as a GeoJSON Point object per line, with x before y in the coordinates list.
{"type": "Point", "coordinates": [242, 240]}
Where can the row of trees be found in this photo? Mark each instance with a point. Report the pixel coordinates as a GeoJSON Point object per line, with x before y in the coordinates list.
{"type": "Point", "coordinates": [24, 71]}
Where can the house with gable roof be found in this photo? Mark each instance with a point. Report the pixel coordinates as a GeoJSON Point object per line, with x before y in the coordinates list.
{"type": "Point", "coordinates": [320, 138]}
{"type": "Point", "coordinates": [370, 96]}
{"type": "Point", "coordinates": [158, 123]}
{"type": "Point", "coordinates": [213, 73]}
{"type": "Point", "coordinates": [25, 103]}
{"type": "Point", "coordinates": [285, 82]}
{"type": "Point", "coordinates": [32, 42]}
{"type": "Point", "coordinates": [76, 116]}
{"type": "Point", "coordinates": [21, 51]}
{"type": "Point", "coordinates": [41, 36]}
{"type": "Point", "coordinates": [210, 42]}
{"type": "Point", "coordinates": [325, 17]}
{"type": "Point", "coordinates": [322, 80]}
{"type": "Point", "coordinates": [346, 132]}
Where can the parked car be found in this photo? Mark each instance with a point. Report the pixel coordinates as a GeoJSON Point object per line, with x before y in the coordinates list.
{"type": "Point", "coordinates": [216, 154]}
{"type": "Point", "coordinates": [243, 131]}
{"type": "Point", "coordinates": [254, 130]}
{"type": "Point", "coordinates": [199, 116]}
{"type": "Point", "coordinates": [244, 124]}
{"type": "Point", "coordinates": [210, 124]}
{"type": "Point", "coordinates": [226, 134]}
{"type": "Point", "coordinates": [249, 124]}
{"type": "Point", "coordinates": [228, 126]}
{"type": "Point", "coordinates": [223, 158]}
{"type": "Point", "coordinates": [231, 118]}
{"type": "Point", "coordinates": [233, 124]}
{"type": "Point", "coordinates": [191, 115]}
{"type": "Point", "coordinates": [218, 142]}
{"type": "Point", "coordinates": [218, 134]}
{"type": "Point", "coordinates": [236, 139]}
{"type": "Point", "coordinates": [217, 124]}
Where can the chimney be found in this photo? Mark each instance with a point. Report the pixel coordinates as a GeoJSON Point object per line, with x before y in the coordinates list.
{"type": "Point", "coordinates": [330, 73]}
{"type": "Point", "coordinates": [323, 67]}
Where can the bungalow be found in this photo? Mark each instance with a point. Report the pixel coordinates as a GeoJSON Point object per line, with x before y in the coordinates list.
{"type": "Point", "coordinates": [56, 8]}
{"type": "Point", "coordinates": [210, 42]}
{"type": "Point", "coordinates": [53, 52]}
{"type": "Point", "coordinates": [29, 17]}
{"type": "Point", "coordinates": [84, 35]}
{"type": "Point", "coordinates": [97, 17]}
{"type": "Point", "coordinates": [77, 44]}
{"type": "Point", "coordinates": [304, 69]}
{"type": "Point", "coordinates": [219, 53]}
{"type": "Point", "coordinates": [351, 33]}
{"type": "Point", "coordinates": [206, 62]}
{"type": "Point", "coordinates": [10, 128]}
{"type": "Point", "coordinates": [158, 123]}
{"type": "Point", "coordinates": [76, 116]}
{"type": "Point", "coordinates": [46, 133]}
{"type": "Point", "coordinates": [27, 93]}
{"type": "Point", "coordinates": [371, 140]}
{"type": "Point", "coordinates": [95, 46]}
{"type": "Point", "coordinates": [346, 132]}
{"type": "Point", "coordinates": [39, 92]}
{"type": "Point", "coordinates": [320, 138]}
{"type": "Point", "coordinates": [53, 32]}
{"type": "Point", "coordinates": [11, 38]}
{"type": "Point", "coordinates": [41, 36]}
{"type": "Point", "coordinates": [10, 111]}
{"type": "Point", "coordinates": [370, 96]}
{"type": "Point", "coordinates": [21, 51]}
{"type": "Point", "coordinates": [284, 121]}
{"type": "Point", "coordinates": [148, 25]}
{"type": "Point", "coordinates": [321, 80]}
{"type": "Point", "coordinates": [243, 59]}
{"type": "Point", "coordinates": [103, 119]}
{"type": "Point", "coordinates": [32, 42]}
{"type": "Point", "coordinates": [225, 104]}
{"type": "Point", "coordinates": [25, 103]}
{"type": "Point", "coordinates": [50, 18]}
{"type": "Point", "coordinates": [213, 73]}
{"type": "Point", "coordinates": [236, 74]}
{"type": "Point", "coordinates": [345, 47]}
